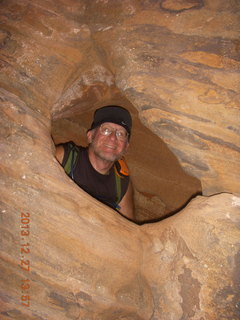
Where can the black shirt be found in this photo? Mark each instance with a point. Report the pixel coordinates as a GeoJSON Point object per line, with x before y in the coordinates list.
{"type": "Point", "coordinates": [100, 186]}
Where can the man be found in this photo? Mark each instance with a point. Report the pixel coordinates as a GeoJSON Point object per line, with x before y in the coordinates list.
{"type": "Point", "coordinates": [100, 168]}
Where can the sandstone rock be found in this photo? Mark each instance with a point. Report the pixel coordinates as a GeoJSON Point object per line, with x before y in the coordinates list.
{"type": "Point", "coordinates": [192, 258]}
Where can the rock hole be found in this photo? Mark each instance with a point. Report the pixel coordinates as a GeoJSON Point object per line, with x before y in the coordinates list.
{"type": "Point", "coordinates": [161, 186]}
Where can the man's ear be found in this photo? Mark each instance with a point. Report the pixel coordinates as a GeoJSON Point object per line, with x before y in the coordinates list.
{"type": "Point", "coordinates": [90, 136]}
{"type": "Point", "coordinates": [126, 147]}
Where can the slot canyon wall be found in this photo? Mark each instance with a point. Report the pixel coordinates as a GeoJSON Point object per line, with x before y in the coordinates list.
{"type": "Point", "coordinates": [175, 66]}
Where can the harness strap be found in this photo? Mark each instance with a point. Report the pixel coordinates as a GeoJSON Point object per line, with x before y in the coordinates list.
{"type": "Point", "coordinates": [121, 171]}
{"type": "Point", "coordinates": [118, 184]}
{"type": "Point", "coordinates": [71, 160]}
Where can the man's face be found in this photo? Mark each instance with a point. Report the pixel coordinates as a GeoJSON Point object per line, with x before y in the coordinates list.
{"type": "Point", "coordinates": [108, 147]}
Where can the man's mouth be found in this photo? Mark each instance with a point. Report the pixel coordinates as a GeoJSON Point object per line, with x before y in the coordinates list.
{"type": "Point", "coordinates": [110, 146]}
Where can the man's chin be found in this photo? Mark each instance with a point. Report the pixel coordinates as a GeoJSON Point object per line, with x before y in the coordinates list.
{"type": "Point", "coordinates": [107, 156]}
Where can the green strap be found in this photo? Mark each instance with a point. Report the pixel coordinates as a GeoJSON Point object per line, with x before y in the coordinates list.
{"type": "Point", "coordinates": [72, 157]}
{"type": "Point", "coordinates": [118, 185]}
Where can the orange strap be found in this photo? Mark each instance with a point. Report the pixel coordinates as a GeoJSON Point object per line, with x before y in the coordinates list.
{"type": "Point", "coordinates": [123, 167]}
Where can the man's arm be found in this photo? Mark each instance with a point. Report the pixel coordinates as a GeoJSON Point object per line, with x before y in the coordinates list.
{"type": "Point", "coordinates": [59, 154]}
{"type": "Point", "coordinates": [126, 204]}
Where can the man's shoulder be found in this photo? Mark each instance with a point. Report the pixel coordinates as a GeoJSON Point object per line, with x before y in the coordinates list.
{"type": "Point", "coordinates": [71, 154]}
{"type": "Point", "coordinates": [70, 144]}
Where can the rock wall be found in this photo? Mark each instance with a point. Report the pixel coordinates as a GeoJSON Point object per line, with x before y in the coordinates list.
{"type": "Point", "coordinates": [191, 261]}
{"type": "Point", "coordinates": [178, 63]}
{"type": "Point", "coordinates": [63, 254]}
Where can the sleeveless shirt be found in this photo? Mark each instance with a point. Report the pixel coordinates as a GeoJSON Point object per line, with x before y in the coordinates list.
{"type": "Point", "coordinates": [100, 186]}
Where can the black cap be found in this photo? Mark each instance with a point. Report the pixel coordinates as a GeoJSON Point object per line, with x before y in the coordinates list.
{"type": "Point", "coordinates": [114, 114]}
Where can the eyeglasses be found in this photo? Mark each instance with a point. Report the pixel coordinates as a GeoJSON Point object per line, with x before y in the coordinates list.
{"type": "Point", "coordinates": [107, 130]}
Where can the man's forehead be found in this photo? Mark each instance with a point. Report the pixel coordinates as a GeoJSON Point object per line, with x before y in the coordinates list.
{"type": "Point", "coordinates": [113, 125]}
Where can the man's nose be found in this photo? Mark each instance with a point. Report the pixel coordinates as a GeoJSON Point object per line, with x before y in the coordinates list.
{"type": "Point", "coordinates": [113, 136]}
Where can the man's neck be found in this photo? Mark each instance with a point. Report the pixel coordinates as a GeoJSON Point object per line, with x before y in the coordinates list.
{"type": "Point", "coordinates": [100, 165]}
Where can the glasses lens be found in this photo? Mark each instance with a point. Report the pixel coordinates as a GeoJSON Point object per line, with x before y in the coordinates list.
{"type": "Point", "coordinates": [107, 131]}
{"type": "Point", "coordinates": [121, 135]}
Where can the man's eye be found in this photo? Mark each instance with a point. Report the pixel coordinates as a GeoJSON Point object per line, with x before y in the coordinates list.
{"type": "Point", "coordinates": [120, 134]}
{"type": "Point", "coordinates": [106, 131]}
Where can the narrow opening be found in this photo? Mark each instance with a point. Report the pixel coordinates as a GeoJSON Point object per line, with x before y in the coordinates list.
{"type": "Point", "coordinates": [161, 186]}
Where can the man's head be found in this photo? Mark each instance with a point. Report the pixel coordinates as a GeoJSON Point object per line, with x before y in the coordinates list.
{"type": "Point", "coordinates": [110, 132]}
{"type": "Point", "coordinates": [113, 114]}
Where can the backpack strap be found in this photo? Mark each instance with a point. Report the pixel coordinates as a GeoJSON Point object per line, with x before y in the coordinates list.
{"type": "Point", "coordinates": [70, 162]}
{"type": "Point", "coordinates": [118, 186]}
{"type": "Point", "coordinates": [121, 171]}
{"type": "Point", "coordinates": [121, 168]}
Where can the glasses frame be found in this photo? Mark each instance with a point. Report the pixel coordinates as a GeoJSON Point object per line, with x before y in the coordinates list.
{"type": "Point", "coordinates": [111, 130]}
